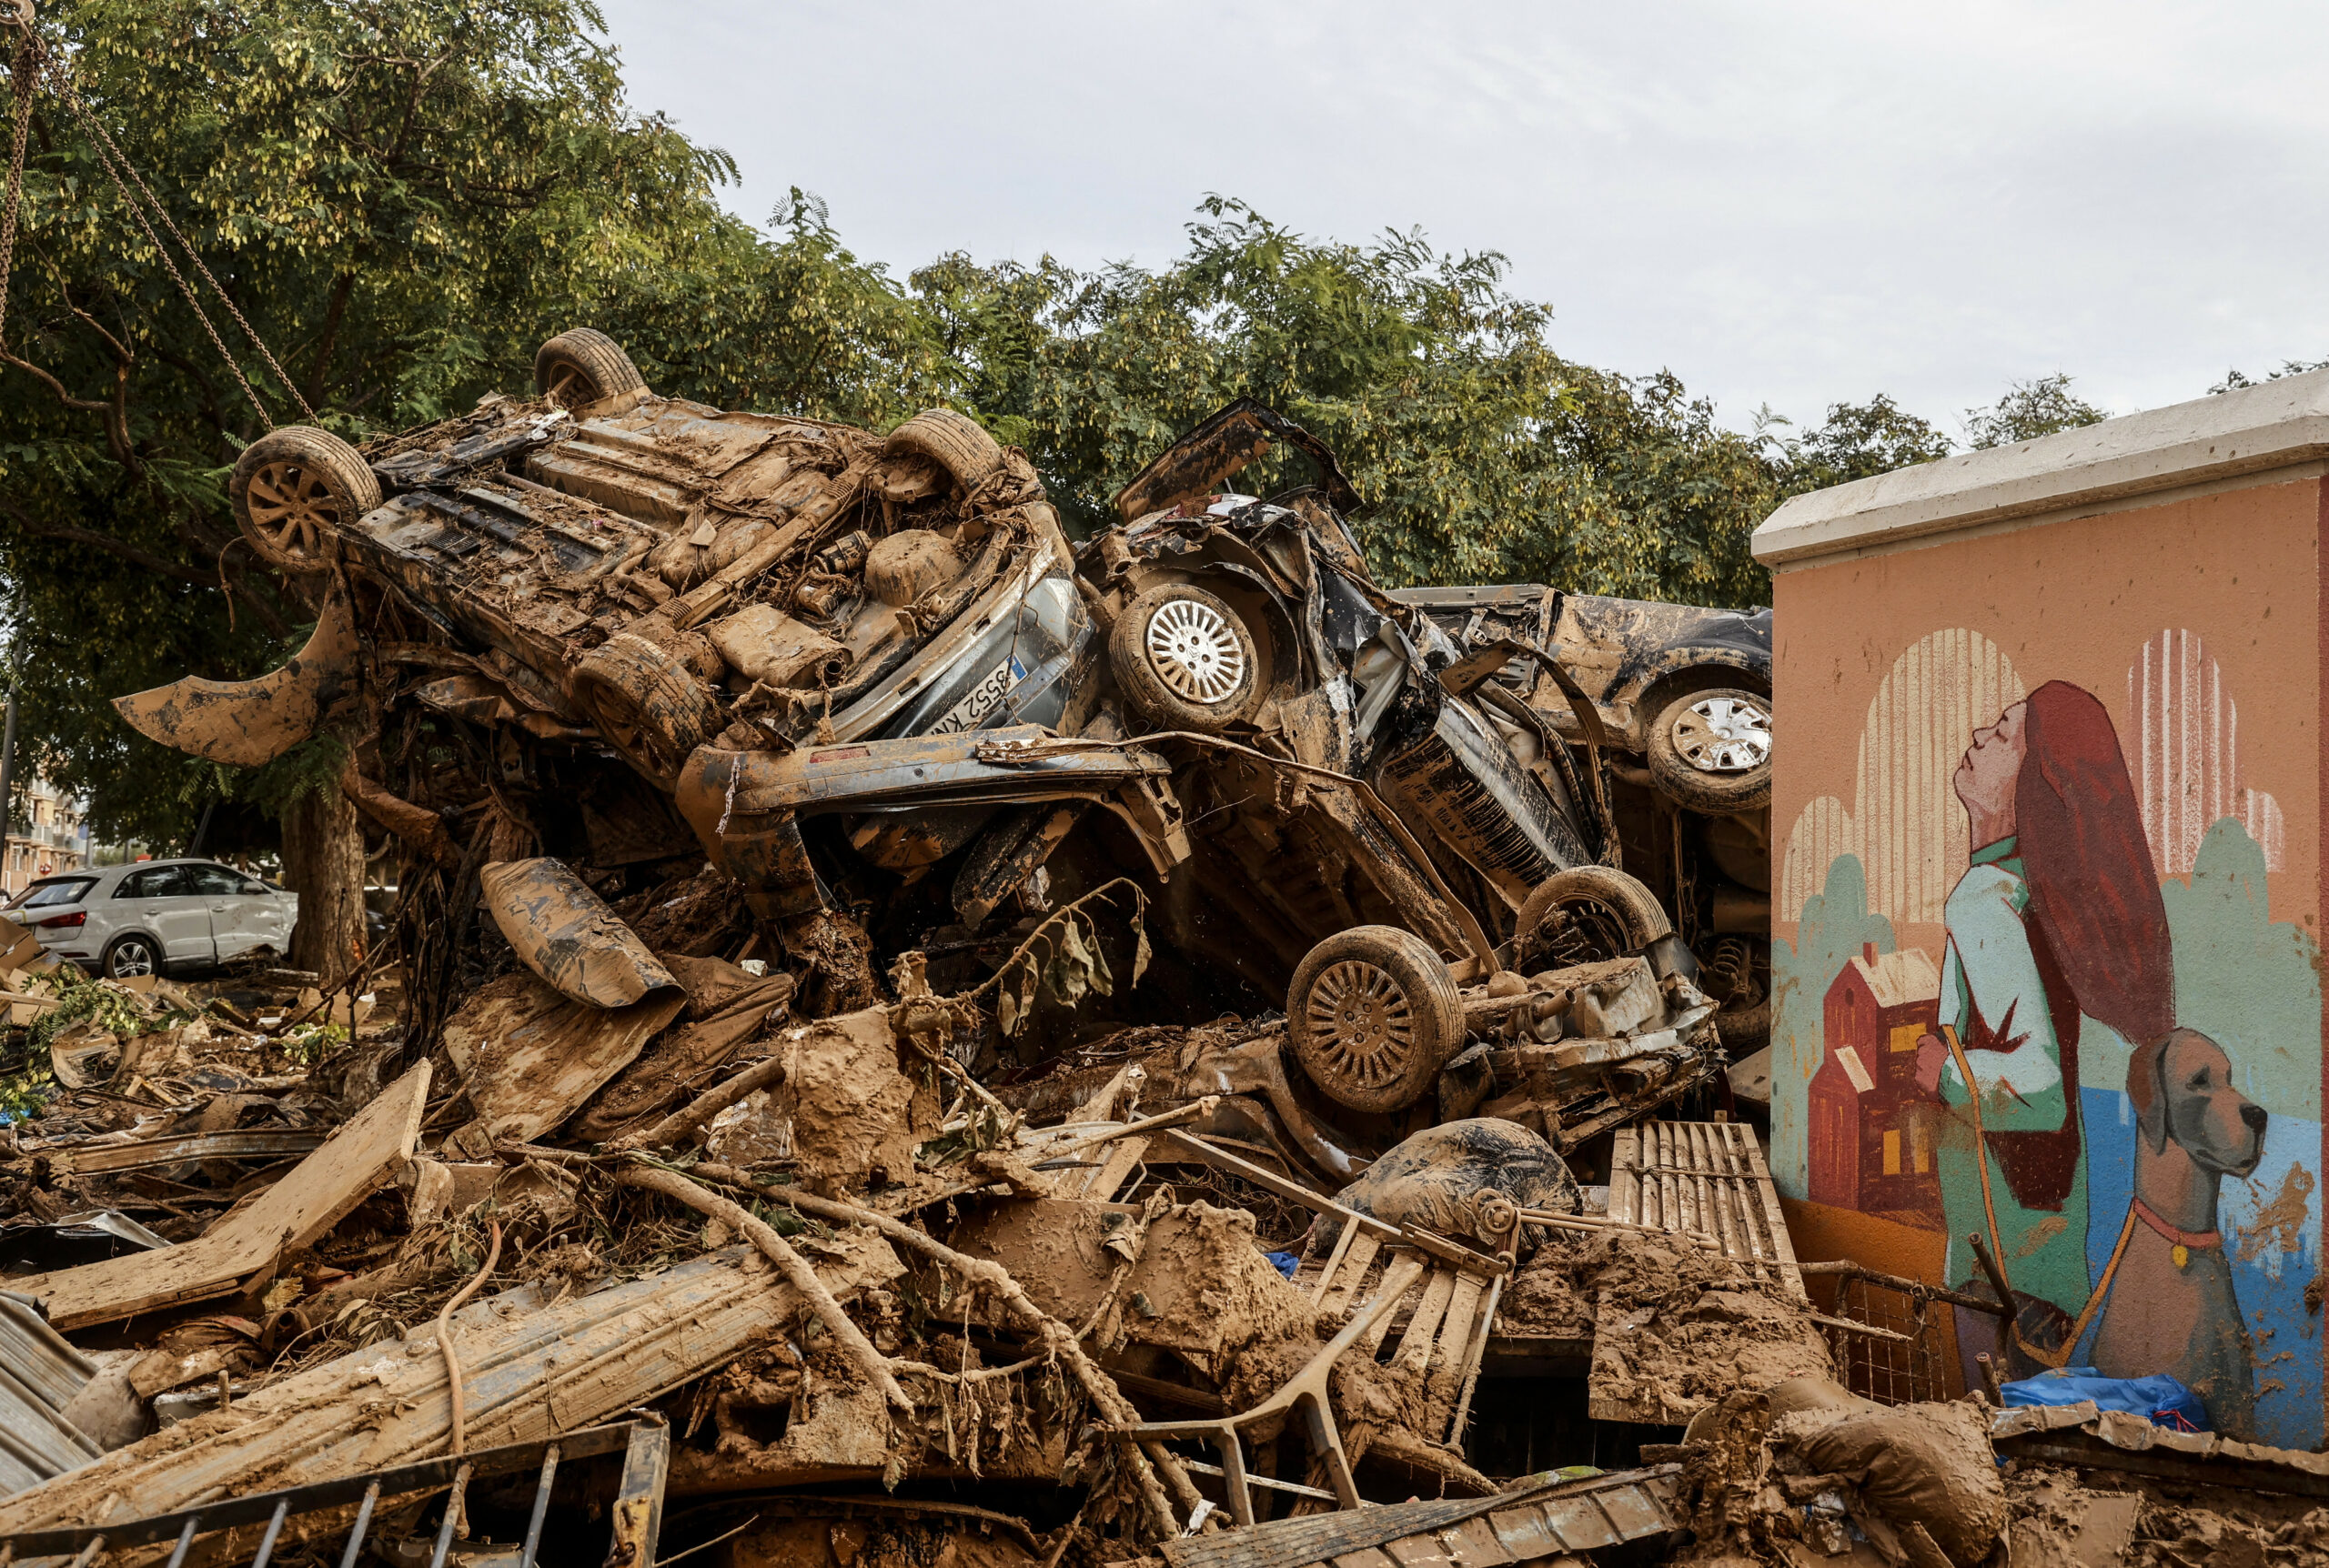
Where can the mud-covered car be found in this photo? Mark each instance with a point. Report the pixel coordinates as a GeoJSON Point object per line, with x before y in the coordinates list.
{"type": "Point", "coordinates": [871, 680]}
{"type": "Point", "coordinates": [1684, 693]}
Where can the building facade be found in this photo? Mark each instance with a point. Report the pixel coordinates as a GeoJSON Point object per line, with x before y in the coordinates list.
{"type": "Point", "coordinates": [51, 836]}
{"type": "Point", "coordinates": [2052, 745]}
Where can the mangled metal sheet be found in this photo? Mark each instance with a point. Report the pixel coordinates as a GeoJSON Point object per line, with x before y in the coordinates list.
{"type": "Point", "coordinates": [530, 1055]}
{"type": "Point", "coordinates": [41, 1374]}
{"type": "Point", "coordinates": [1518, 1526]}
{"type": "Point", "coordinates": [565, 933]}
{"type": "Point", "coordinates": [250, 723]}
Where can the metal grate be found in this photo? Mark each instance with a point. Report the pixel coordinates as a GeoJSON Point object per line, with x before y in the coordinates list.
{"type": "Point", "coordinates": [644, 1444]}
{"type": "Point", "coordinates": [1707, 1179]}
{"type": "Point", "coordinates": [1902, 1365]}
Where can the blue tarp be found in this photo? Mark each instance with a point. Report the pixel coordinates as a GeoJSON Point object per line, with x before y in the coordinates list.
{"type": "Point", "coordinates": [2159, 1399]}
{"type": "Point", "coordinates": [1286, 1262]}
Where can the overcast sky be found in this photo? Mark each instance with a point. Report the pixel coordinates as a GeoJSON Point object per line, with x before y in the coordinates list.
{"type": "Point", "coordinates": [1790, 202]}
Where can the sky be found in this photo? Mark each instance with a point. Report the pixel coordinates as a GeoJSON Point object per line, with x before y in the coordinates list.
{"type": "Point", "coordinates": [1785, 203]}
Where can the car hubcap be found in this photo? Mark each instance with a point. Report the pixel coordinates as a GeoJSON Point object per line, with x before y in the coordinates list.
{"type": "Point", "coordinates": [1361, 1023]}
{"type": "Point", "coordinates": [290, 507]}
{"type": "Point", "coordinates": [1724, 735]}
{"type": "Point", "coordinates": [1194, 652]}
{"type": "Point", "coordinates": [132, 959]}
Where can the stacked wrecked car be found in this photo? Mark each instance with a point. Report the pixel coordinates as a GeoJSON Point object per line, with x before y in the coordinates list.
{"type": "Point", "coordinates": [908, 1036]}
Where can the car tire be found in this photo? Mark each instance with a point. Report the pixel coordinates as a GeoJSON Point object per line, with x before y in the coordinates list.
{"type": "Point", "coordinates": [1185, 660]}
{"type": "Point", "coordinates": [1373, 1015]}
{"type": "Point", "coordinates": [294, 489]}
{"type": "Point", "coordinates": [578, 368]}
{"type": "Point", "coordinates": [1584, 915]}
{"type": "Point", "coordinates": [130, 955]}
{"type": "Point", "coordinates": [1710, 751]}
{"type": "Point", "coordinates": [955, 442]}
{"type": "Point", "coordinates": [645, 703]}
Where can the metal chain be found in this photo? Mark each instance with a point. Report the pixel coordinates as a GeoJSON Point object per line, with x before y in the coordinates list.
{"type": "Point", "coordinates": [30, 57]}
{"type": "Point", "coordinates": [89, 122]}
{"type": "Point", "coordinates": [21, 75]}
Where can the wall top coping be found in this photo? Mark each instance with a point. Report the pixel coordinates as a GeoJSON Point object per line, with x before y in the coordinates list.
{"type": "Point", "coordinates": [2221, 436]}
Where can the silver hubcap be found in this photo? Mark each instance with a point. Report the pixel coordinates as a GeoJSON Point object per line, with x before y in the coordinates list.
{"type": "Point", "coordinates": [1194, 651]}
{"type": "Point", "coordinates": [1362, 1023]}
{"type": "Point", "coordinates": [132, 959]}
{"type": "Point", "coordinates": [1724, 735]}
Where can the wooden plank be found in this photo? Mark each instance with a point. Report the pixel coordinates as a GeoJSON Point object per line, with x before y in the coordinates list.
{"type": "Point", "coordinates": [308, 1201]}
{"type": "Point", "coordinates": [1476, 1546]}
{"type": "Point", "coordinates": [252, 1143]}
{"type": "Point", "coordinates": [1399, 1277]}
{"type": "Point", "coordinates": [1343, 1292]}
{"type": "Point", "coordinates": [528, 1376]}
{"type": "Point", "coordinates": [1415, 1345]}
{"type": "Point", "coordinates": [1625, 1187]}
{"type": "Point", "coordinates": [1108, 1180]}
{"type": "Point", "coordinates": [530, 1057]}
{"type": "Point", "coordinates": [1459, 1327]}
{"type": "Point", "coordinates": [1334, 1261]}
{"type": "Point", "coordinates": [1781, 1248]}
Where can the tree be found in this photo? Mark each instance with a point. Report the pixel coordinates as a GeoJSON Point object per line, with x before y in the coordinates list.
{"type": "Point", "coordinates": [1857, 441]}
{"type": "Point", "coordinates": [2234, 380]}
{"type": "Point", "coordinates": [402, 197]}
{"type": "Point", "coordinates": [1485, 456]}
{"type": "Point", "coordinates": [2028, 410]}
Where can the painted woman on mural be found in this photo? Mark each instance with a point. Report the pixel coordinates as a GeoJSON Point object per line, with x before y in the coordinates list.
{"type": "Point", "coordinates": [2057, 940]}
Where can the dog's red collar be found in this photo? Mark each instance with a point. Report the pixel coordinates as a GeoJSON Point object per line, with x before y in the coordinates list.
{"type": "Point", "coordinates": [2197, 1240]}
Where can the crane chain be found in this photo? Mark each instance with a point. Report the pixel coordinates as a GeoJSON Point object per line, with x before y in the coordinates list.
{"type": "Point", "coordinates": [30, 58]}
{"type": "Point", "coordinates": [22, 76]}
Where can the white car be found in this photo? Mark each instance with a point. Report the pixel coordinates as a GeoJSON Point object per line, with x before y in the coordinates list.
{"type": "Point", "coordinates": [153, 916]}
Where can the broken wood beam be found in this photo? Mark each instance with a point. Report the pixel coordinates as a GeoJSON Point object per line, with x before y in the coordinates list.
{"type": "Point", "coordinates": [309, 1200]}
{"type": "Point", "coordinates": [789, 1264]}
{"type": "Point", "coordinates": [534, 1375]}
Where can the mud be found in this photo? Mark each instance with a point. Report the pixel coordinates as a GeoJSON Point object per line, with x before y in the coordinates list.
{"type": "Point", "coordinates": [2067, 1519]}
{"type": "Point", "coordinates": [1676, 1328]}
{"type": "Point", "coordinates": [1546, 1297]}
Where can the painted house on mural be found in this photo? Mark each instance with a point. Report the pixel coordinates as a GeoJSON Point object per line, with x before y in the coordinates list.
{"type": "Point", "coordinates": [2055, 722]}
{"type": "Point", "coordinates": [1870, 1137]}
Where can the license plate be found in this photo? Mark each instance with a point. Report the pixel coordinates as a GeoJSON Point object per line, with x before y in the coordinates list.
{"type": "Point", "coordinates": [982, 699]}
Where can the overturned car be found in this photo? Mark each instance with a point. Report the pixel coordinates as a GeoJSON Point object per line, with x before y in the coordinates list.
{"type": "Point", "coordinates": [871, 680]}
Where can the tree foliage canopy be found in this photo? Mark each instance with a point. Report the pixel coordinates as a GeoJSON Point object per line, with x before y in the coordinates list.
{"type": "Point", "coordinates": [405, 197]}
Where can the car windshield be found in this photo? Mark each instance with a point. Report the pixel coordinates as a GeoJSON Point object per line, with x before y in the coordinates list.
{"type": "Point", "coordinates": [55, 891]}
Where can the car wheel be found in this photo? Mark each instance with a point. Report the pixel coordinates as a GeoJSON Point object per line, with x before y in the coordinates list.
{"type": "Point", "coordinates": [583, 366]}
{"type": "Point", "coordinates": [131, 956]}
{"type": "Point", "coordinates": [1184, 660]}
{"type": "Point", "coordinates": [293, 490]}
{"type": "Point", "coordinates": [1710, 751]}
{"type": "Point", "coordinates": [955, 442]}
{"type": "Point", "coordinates": [645, 703]}
{"type": "Point", "coordinates": [1373, 1015]}
{"type": "Point", "coordinates": [1583, 915]}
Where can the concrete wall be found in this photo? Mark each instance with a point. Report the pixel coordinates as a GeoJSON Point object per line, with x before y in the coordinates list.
{"type": "Point", "coordinates": [2117, 894]}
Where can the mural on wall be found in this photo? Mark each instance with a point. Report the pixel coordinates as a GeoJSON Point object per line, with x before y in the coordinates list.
{"type": "Point", "coordinates": [2106, 1068]}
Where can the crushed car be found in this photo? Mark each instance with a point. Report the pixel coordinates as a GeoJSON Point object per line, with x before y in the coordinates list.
{"type": "Point", "coordinates": [871, 680]}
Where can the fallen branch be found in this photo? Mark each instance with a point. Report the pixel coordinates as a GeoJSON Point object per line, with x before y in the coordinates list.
{"type": "Point", "coordinates": [1057, 1338]}
{"type": "Point", "coordinates": [452, 1362]}
{"type": "Point", "coordinates": [789, 1264]}
{"type": "Point", "coordinates": [703, 1108]}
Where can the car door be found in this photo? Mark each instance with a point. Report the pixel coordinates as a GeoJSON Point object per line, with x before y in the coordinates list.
{"type": "Point", "coordinates": [163, 901]}
{"type": "Point", "coordinates": [238, 910]}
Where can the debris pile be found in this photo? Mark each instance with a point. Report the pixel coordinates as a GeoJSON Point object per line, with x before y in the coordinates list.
{"type": "Point", "coordinates": [906, 1038]}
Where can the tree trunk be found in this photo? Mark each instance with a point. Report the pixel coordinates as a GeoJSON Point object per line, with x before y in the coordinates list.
{"type": "Point", "coordinates": [323, 862]}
